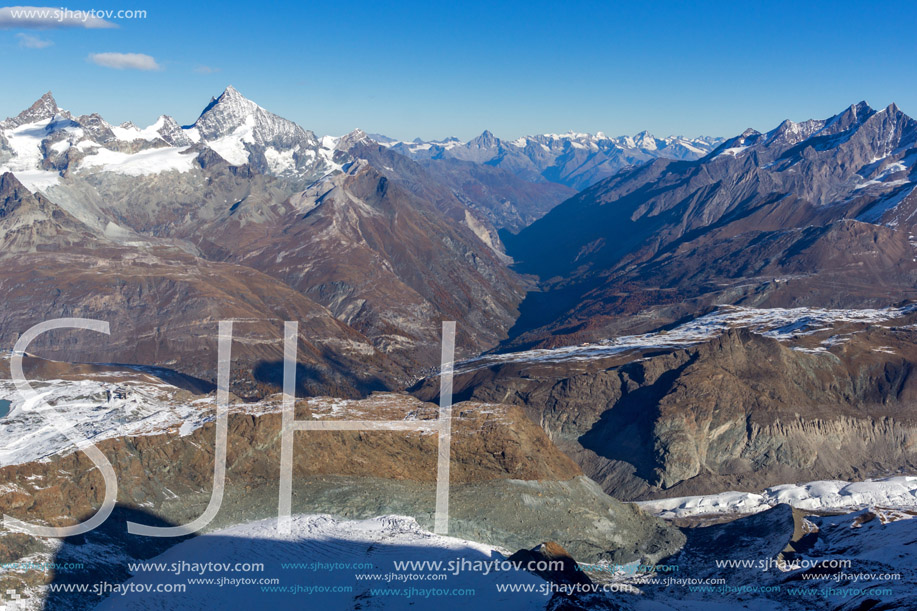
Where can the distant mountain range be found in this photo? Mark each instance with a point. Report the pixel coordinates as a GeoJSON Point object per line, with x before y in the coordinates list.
{"type": "Point", "coordinates": [819, 213]}
{"type": "Point", "coordinates": [678, 224]}
{"type": "Point", "coordinates": [573, 159]}
{"type": "Point", "coordinates": [242, 186]}
{"type": "Point", "coordinates": [44, 142]}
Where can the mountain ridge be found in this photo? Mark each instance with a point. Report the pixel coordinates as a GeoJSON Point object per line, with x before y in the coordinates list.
{"type": "Point", "coordinates": [729, 227]}
{"type": "Point", "coordinates": [305, 233]}
{"type": "Point", "coordinates": [576, 160]}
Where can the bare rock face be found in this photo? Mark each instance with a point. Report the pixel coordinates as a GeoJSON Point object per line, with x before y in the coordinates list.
{"type": "Point", "coordinates": [386, 262]}
{"type": "Point", "coordinates": [741, 411]}
{"type": "Point", "coordinates": [43, 109]}
{"type": "Point", "coordinates": [29, 222]}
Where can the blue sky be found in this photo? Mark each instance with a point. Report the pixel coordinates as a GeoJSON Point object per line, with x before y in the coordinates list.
{"type": "Point", "coordinates": [435, 69]}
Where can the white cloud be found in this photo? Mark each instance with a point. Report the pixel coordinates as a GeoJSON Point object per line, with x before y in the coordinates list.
{"type": "Point", "coordinates": [28, 41]}
{"type": "Point", "coordinates": [125, 61]}
{"type": "Point", "coordinates": [46, 17]}
{"type": "Point", "coordinates": [206, 70]}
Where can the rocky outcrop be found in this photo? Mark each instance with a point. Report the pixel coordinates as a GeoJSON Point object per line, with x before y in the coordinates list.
{"type": "Point", "coordinates": [741, 411]}
{"type": "Point", "coordinates": [30, 223]}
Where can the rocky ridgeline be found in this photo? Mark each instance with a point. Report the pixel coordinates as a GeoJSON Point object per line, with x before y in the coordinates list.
{"type": "Point", "coordinates": [738, 412]}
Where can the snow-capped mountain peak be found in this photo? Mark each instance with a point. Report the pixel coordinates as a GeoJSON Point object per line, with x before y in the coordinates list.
{"type": "Point", "coordinates": [226, 113]}
{"type": "Point", "coordinates": [347, 141]}
{"type": "Point", "coordinates": [485, 140]}
{"type": "Point", "coordinates": [855, 115]}
{"type": "Point", "coordinates": [646, 140]}
{"type": "Point", "coordinates": [43, 142]}
{"type": "Point", "coordinates": [44, 109]}
{"type": "Point", "coordinates": [242, 132]}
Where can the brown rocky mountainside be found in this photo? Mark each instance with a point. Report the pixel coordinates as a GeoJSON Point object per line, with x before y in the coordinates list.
{"type": "Point", "coordinates": [163, 309]}
{"type": "Point", "coordinates": [151, 228]}
{"type": "Point", "coordinates": [386, 261]}
{"type": "Point", "coordinates": [810, 214]}
{"type": "Point", "coordinates": [510, 486]}
{"type": "Point", "coordinates": [163, 305]}
{"type": "Point", "coordinates": [740, 411]}
{"type": "Point", "coordinates": [383, 260]}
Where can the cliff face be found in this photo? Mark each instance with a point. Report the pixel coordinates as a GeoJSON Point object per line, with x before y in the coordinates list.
{"type": "Point", "coordinates": [741, 411]}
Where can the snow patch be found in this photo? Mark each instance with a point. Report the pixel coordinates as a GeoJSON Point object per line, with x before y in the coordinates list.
{"type": "Point", "coordinates": [778, 323]}
{"type": "Point", "coordinates": [891, 492]}
{"type": "Point", "coordinates": [144, 163]}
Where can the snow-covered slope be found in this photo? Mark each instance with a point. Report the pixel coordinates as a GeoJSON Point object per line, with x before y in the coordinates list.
{"type": "Point", "coordinates": [778, 323]}
{"type": "Point", "coordinates": [43, 143]}
{"type": "Point", "coordinates": [21, 140]}
{"type": "Point", "coordinates": [833, 495]}
{"type": "Point", "coordinates": [143, 163]}
{"type": "Point", "coordinates": [103, 406]}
